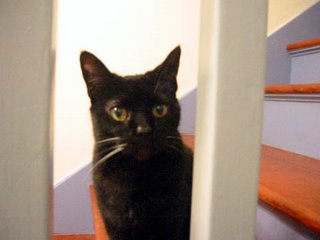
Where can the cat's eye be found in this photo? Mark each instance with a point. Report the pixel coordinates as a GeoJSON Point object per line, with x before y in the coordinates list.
{"type": "Point", "coordinates": [119, 114]}
{"type": "Point", "coordinates": [160, 110]}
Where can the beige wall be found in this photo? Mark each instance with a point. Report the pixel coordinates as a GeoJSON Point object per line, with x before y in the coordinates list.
{"type": "Point", "coordinates": [283, 11]}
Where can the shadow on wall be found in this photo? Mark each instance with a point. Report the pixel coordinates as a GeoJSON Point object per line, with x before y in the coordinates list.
{"type": "Point", "coordinates": [188, 113]}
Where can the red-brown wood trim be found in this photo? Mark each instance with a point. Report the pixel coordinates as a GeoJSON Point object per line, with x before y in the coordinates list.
{"type": "Point", "coordinates": [304, 44]}
{"type": "Point", "coordinates": [100, 231]}
{"type": "Point", "coordinates": [313, 88]}
{"type": "Point", "coordinates": [74, 237]}
{"type": "Point", "coordinates": [188, 140]}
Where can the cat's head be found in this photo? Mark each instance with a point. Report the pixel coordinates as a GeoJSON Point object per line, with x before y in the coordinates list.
{"type": "Point", "coordinates": [138, 114]}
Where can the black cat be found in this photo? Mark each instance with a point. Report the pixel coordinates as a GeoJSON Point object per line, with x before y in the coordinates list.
{"type": "Point", "coordinates": [142, 171]}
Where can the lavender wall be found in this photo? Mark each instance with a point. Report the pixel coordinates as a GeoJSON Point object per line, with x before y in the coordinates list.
{"type": "Point", "coordinates": [305, 68]}
{"type": "Point", "coordinates": [304, 27]}
{"type": "Point", "coordinates": [293, 126]}
{"type": "Point", "coordinates": [72, 205]}
{"type": "Point", "coordinates": [273, 225]}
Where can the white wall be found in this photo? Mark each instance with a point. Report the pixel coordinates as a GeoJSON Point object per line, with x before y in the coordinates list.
{"type": "Point", "coordinates": [130, 37]}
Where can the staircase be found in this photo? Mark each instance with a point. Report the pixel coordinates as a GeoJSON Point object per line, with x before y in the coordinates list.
{"type": "Point", "coordinates": [290, 180]}
{"type": "Point", "coordinates": [305, 61]}
{"type": "Point", "coordinates": [292, 112]}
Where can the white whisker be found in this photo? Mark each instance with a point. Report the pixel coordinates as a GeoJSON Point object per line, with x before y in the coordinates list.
{"type": "Point", "coordinates": [116, 150]}
{"type": "Point", "coordinates": [108, 140]}
{"type": "Point", "coordinates": [175, 148]}
{"type": "Point", "coordinates": [113, 147]}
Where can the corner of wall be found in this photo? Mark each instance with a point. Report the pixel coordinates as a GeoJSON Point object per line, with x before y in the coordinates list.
{"type": "Point", "coordinates": [303, 27]}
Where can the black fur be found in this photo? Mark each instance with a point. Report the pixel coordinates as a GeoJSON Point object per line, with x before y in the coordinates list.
{"type": "Point", "coordinates": [142, 171]}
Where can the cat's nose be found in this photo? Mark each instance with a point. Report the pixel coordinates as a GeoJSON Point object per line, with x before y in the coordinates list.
{"type": "Point", "coordinates": [142, 125]}
{"type": "Point", "coordinates": [143, 129]}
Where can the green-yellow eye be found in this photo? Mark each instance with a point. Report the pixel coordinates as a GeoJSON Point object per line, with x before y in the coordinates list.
{"type": "Point", "coordinates": [119, 114]}
{"type": "Point", "coordinates": [160, 110]}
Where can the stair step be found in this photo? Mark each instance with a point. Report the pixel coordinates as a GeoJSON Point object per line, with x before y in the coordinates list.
{"type": "Point", "coordinates": [305, 61]}
{"type": "Point", "coordinates": [312, 88]}
{"type": "Point", "coordinates": [290, 183]}
{"type": "Point", "coordinates": [304, 44]}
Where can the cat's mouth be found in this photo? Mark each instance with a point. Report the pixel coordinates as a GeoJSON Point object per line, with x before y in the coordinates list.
{"type": "Point", "coordinates": [143, 153]}
{"type": "Point", "coordinates": [143, 149]}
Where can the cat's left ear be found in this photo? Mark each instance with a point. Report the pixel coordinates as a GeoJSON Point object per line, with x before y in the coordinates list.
{"type": "Point", "coordinates": [94, 72]}
{"type": "Point", "coordinates": [168, 70]}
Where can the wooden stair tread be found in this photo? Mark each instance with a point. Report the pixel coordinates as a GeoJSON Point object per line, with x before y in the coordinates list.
{"type": "Point", "coordinates": [288, 182]}
{"type": "Point", "coordinates": [312, 88]}
{"type": "Point", "coordinates": [304, 44]}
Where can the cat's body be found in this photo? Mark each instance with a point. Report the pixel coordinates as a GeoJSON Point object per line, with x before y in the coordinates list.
{"type": "Point", "coordinates": [142, 170]}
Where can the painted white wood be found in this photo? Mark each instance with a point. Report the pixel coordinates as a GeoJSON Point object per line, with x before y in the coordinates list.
{"type": "Point", "coordinates": [229, 119]}
{"type": "Point", "coordinates": [25, 107]}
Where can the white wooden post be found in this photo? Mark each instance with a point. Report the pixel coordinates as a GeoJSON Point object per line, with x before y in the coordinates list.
{"type": "Point", "coordinates": [229, 116]}
{"type": "Point", "coordinates": [25, 107]}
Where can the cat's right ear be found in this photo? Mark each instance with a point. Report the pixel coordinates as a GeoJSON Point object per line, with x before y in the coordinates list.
{"type": "Point", "coordinates": [94, 72]}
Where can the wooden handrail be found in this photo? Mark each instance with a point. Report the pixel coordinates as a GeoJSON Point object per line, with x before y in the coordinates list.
{"type": "Point", "coordinates": [312, 88]}
{"type": "Point", "coordinates": [304, 44]}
